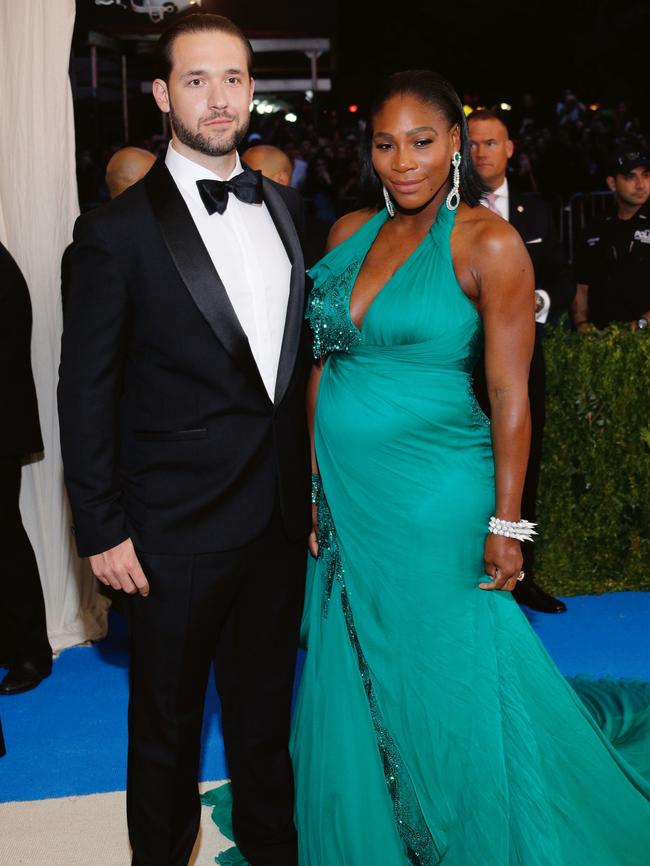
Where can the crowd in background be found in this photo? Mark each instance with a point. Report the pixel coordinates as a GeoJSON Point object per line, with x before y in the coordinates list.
{"type": "Point", "coordinates": [559, 150]}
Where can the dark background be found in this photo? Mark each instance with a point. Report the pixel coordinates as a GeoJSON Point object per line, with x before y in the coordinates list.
{"type": "Point", "coordinates": [492, 51]}
{"type": "Point", "coordinates": [500, 50]}
{"type": "Point", "coordinates": [522, 52]}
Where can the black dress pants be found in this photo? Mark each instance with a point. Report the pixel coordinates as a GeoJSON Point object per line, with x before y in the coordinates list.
{"type": "Point", "coordinates": [241, 610]}
{"type": "Point", "coordinates": [23, 629]}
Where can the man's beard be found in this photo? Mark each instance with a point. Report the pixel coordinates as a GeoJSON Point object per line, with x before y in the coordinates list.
{"type": "Point", "coordinates": [208, 145]}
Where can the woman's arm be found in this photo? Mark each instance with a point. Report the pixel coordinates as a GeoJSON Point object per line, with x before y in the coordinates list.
{"type": "Point", "coordinates": [507, 307]}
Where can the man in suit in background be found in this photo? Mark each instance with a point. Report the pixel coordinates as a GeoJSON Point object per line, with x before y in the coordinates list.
{"type": "Point", "coordinates": [126, 167]}
{"type": "Point", "coordinates": [532, 217]}
{"type": "Point", "coordinates": [184, 438]}
{"type": "Point", "coordinates": [271, 161]}
{"type": "Point", "coordinates": [276, 165]}
{"type": "Point", "coordinates": [24, 646]}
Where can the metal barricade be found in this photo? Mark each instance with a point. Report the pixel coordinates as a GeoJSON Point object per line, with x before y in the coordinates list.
{"type": "Point", "coordinates": [581, 208]}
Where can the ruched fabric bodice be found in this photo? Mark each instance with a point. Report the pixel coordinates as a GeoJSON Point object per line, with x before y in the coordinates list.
{"type": "Point", "coordinates": [421, 309]}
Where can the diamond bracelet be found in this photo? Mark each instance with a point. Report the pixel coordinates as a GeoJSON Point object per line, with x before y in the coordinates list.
{"type": "Point", "coordinates": [522, 530]}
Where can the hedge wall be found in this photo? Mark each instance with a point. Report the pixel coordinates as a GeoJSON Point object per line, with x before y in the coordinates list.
{"type": "Point", "coordinates": [594, 493]}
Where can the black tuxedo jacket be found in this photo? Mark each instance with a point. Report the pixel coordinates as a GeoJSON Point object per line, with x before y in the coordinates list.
{"type": "Point", "coordinates": [532, 218]}
{"type": "Point", "coordinates": [21, 432]}
{"type": "Point", "coordinates": [167, 432]}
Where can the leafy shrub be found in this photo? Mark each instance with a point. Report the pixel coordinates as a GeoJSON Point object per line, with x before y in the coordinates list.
{"type": "Point", "coordinates": [594, 492]}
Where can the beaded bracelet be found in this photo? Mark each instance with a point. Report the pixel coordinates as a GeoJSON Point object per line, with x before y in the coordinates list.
{"type": "Point", "coordinates": [316, 489]}
{"type": "Point", "coordinates": [522, 530]}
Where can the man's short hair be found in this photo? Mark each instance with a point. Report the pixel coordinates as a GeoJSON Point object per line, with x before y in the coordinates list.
{"type": "Point", "coordinates": [197, 22]}
{"type": "Point", "coordinates": [488, 114]}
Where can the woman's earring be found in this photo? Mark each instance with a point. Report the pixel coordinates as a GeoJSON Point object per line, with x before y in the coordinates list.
{"type": "Point", "coordinates": [390, 207]}
{"type": "Point", "coordinates": [453, 199]}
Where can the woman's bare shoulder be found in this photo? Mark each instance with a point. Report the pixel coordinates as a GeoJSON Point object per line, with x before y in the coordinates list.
{"type": "Point", "coordinates": [487, 232]}
{"type": "Point", "coordinates": [347, 225]}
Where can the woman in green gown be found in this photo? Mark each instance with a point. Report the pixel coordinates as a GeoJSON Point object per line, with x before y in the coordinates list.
{"type": "Point", "coordinates": [431, 726]}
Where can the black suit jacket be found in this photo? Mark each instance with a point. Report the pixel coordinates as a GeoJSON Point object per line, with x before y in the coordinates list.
{"type": "Point", "coordinates": [167, 432]}
{"type": "Point", "coordinates": [20, 433]}
{"type": "Point", "coordinates": [533, 219]}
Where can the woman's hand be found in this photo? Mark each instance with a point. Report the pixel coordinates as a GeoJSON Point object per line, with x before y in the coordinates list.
{"type": "Point", "coordinates": [313, 535]}
{"type": "Point", "coordinates": [503, 561]}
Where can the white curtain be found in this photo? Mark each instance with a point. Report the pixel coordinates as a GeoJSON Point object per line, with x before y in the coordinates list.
{"type": "Point", "coordinates": [38, 206]}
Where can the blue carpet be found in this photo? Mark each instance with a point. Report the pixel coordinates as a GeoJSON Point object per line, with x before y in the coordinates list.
{"type": "Point", "coordinates": [68, 736]}
{"type": "Point", "coordinates": [603, 635]}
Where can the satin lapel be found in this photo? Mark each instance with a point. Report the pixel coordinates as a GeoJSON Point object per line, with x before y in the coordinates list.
{"type": "Point", "coordinates": [196, 269]}
{"type": "Point", "coordinates": [295, 307]}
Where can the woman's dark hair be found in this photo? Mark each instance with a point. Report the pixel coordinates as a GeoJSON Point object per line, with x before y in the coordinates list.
{"type": "Point", "coordinates": [434, 90]}
{"type": "Point", "coordinates": [197, 22]}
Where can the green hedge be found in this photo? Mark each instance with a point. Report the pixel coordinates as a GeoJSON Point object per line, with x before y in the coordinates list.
{"type": "Point", "coordinates": [594, 493]}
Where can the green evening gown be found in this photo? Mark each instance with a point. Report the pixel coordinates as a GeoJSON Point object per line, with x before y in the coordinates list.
{"type": "Point", "coordinates": [431, 725]}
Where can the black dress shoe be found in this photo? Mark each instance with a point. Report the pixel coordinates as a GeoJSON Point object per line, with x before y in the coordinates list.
{"type": "Point", "coordinates": [534, 597]}
{"type": "Point", "coordinates": [21, 678]}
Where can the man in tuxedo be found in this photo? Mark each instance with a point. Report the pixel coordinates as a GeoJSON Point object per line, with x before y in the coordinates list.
{"type": "Point", "coordinates": [185, 447]}
{"type": "Point", "coordinates": [24, 646]}
{"type": "Point", "coordinates": [531, 216]}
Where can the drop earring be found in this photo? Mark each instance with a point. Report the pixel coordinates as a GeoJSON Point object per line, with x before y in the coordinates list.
{"type": "Point", "coordinates": [390, 207]}
{"type": "Point", "coordinates": [453, 199]}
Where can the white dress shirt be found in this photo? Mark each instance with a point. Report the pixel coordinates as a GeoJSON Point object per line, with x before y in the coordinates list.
{"type": "Point", "coordinates": [250, 258]}
{"type": "Point", "coordinates": [502, 204]}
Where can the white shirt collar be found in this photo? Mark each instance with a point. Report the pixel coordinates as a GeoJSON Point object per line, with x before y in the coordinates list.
{"type": "Point", "coordinates": [185, 171]}
{"type": "Point", "coordinates": [502, 190]}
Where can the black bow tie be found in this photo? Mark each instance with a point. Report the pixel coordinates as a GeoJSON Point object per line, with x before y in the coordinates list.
{"type": "Point", "coordinates": [247, 186]}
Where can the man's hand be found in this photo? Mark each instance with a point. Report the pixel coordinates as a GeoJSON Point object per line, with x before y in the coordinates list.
{"type": "Point", "coordinates": [119, 568]}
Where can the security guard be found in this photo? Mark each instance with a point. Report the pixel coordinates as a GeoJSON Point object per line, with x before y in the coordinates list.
{"type": "Point", "coordinates": [612, 264]}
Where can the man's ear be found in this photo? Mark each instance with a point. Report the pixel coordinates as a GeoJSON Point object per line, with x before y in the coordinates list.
{"type": "Point", "coordinates": [611, 183]}
{"type": "Point", "coordinates": [510, 148]}
{"type": "Point", "coordinates": [161, 94]}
